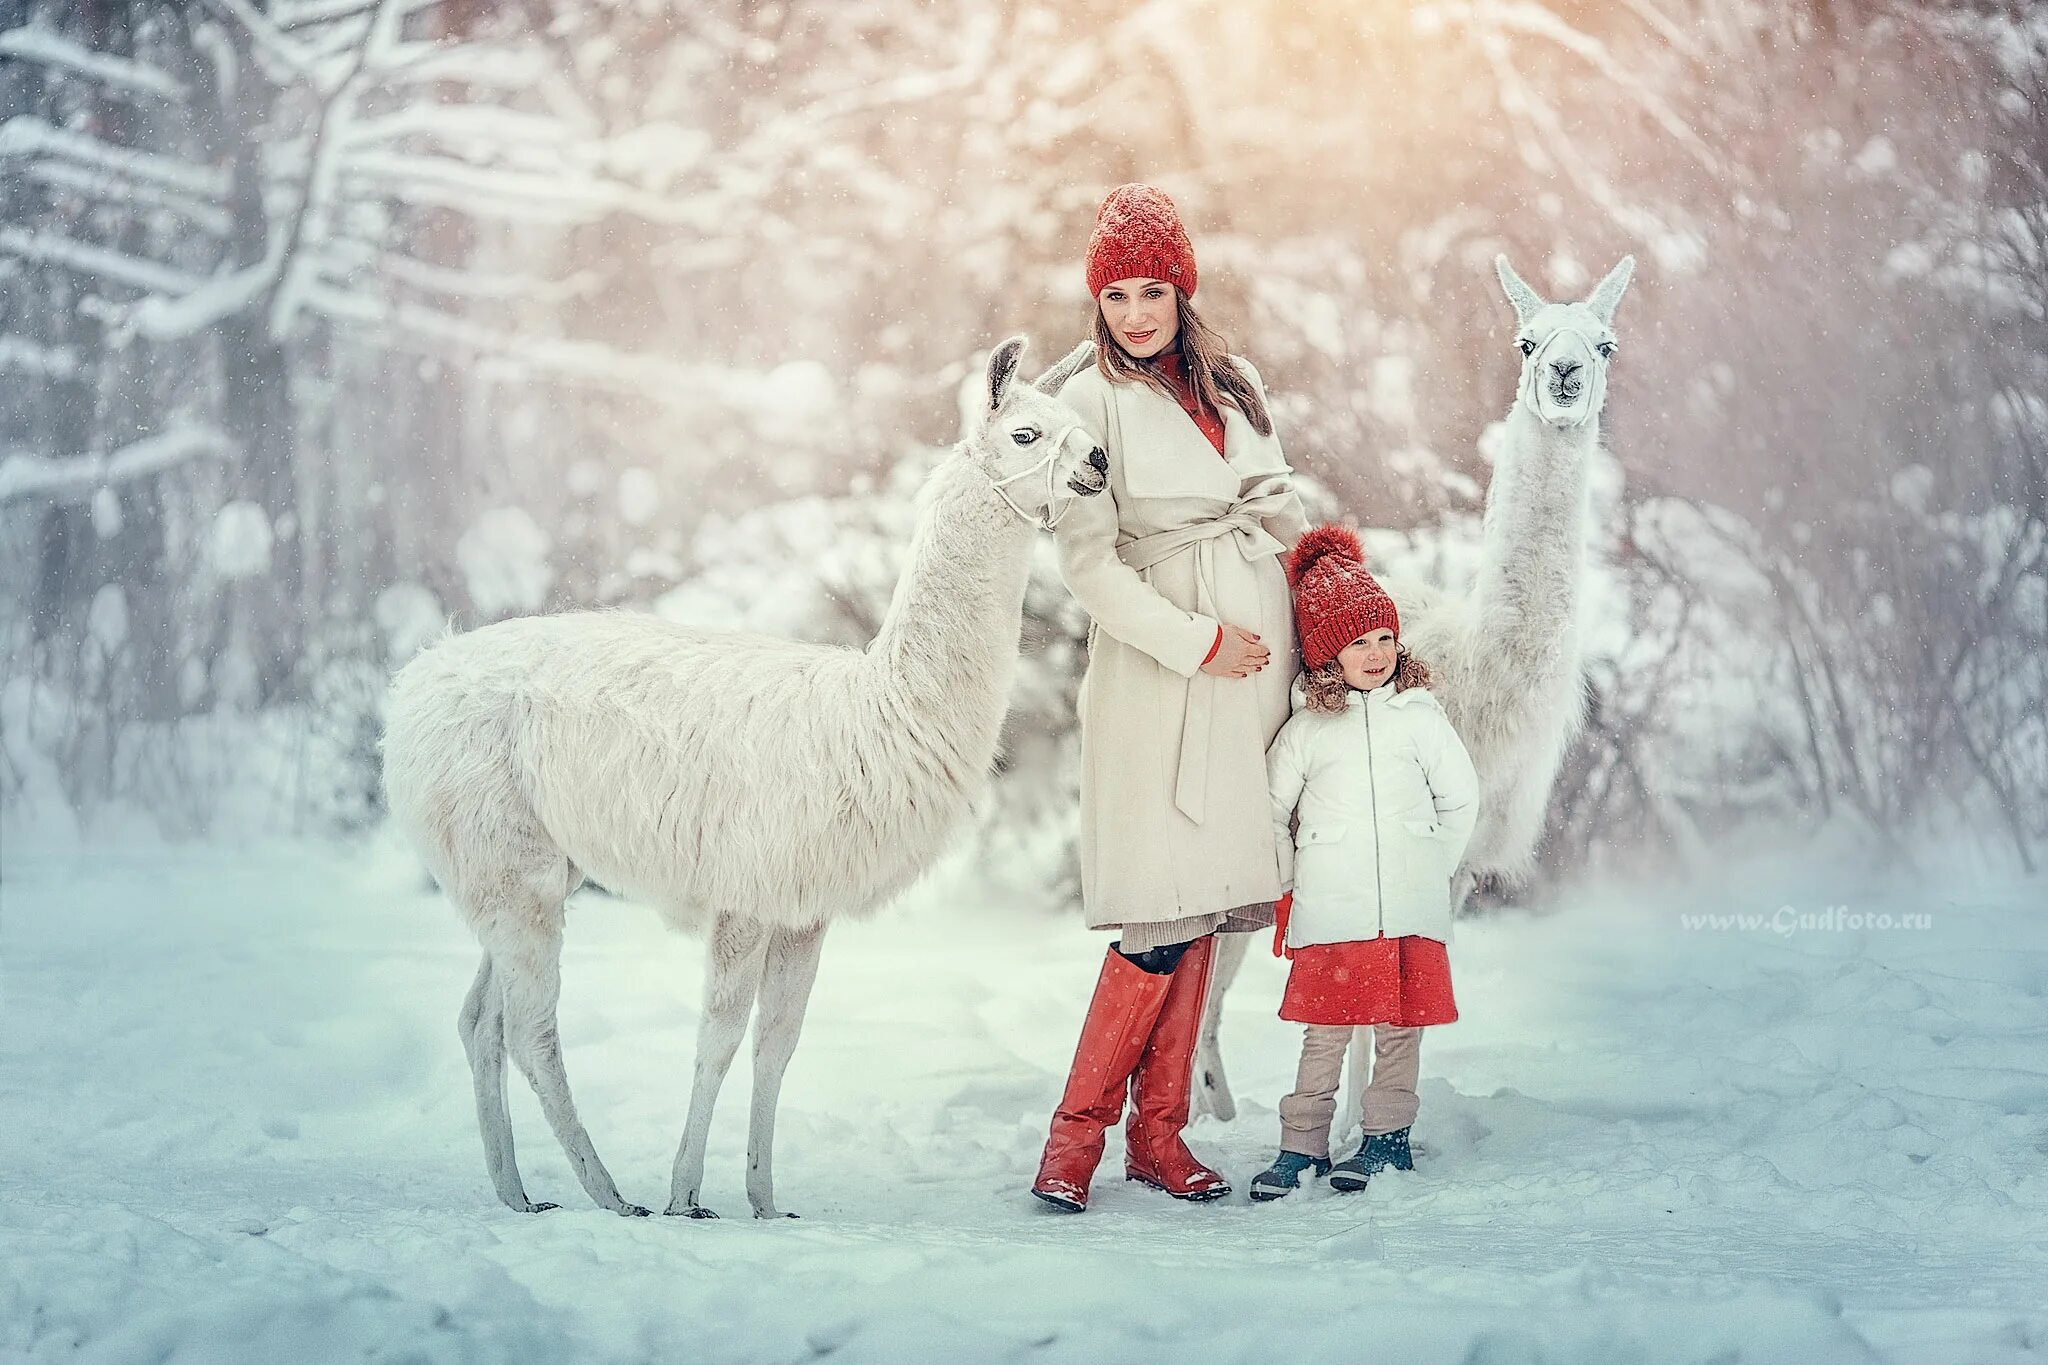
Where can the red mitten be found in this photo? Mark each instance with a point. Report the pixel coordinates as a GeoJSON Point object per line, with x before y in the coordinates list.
{"type": "Point", "coordinates": [1280, 909]}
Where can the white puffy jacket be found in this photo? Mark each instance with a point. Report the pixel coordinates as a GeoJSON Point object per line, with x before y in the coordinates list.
{"type": "Point", "coordinates": [1387, 799]}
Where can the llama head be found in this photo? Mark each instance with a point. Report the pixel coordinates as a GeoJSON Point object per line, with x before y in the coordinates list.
{"type": "Point", "coordinates": [1565, 346]}
{"type": "Point", "coordinates": [1032, 447]}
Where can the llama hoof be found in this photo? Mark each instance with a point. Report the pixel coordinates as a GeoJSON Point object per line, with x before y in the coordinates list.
{"type": "Point", "coordinates": [691, 1211]}
{"type": "Point", "coordinates": [539, 1208]}
{"type": "Point", "coordinates": [771, 1213]}
{"type": "Point", "coordinates": [634, 1211]}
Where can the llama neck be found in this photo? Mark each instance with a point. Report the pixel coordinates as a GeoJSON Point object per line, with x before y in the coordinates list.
{"type": "Point", "coordinates": [1534, 556]}
{"type": "Point", "coordinates": [947, 651]}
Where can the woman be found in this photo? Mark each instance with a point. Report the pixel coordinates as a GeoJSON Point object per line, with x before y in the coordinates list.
{"type": "Point", "coordinates": [1189, 663]}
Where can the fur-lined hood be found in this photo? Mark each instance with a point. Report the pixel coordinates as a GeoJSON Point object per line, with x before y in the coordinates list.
{"type": "Point", "coordinates": [1410, 675]}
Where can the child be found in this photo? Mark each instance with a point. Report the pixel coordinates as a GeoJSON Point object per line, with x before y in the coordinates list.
{"type": "Point", "coordinates": [1386, 798]}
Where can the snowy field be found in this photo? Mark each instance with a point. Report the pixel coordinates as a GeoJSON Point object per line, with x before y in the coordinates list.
{"type": "Point", "coordinates": [235, 1125]}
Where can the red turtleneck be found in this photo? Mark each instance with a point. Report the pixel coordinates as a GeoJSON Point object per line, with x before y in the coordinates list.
{"type": "Point", "coordinates": [1174, 366]}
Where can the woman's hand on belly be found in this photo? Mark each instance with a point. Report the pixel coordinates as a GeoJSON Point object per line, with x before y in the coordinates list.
{"type": "Point", "coordinates": [1239, 655]}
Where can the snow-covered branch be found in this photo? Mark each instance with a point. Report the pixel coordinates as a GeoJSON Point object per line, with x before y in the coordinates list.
{"type": "Point", "coordinates": [121, 74]}
{"type": "Point", "coordinates": [1534, 20]}
{"type": "Point", "coordinates": [300, 14]}
{"type": "Point", "coordinates": [293, 270]}
{"type": "Point", "coordinates": [584, 364]}
{"type": "Point", "coordinates": [1676, 35]}
{"type": "Point", "coordinates": [522, 196]}
{"type": "Point", "coordinates": [162, 317]}
{"type": "Point", "coordinates": [25, 136]}
{"type": "Point", "coordinates": [430, 278]}
{"type": "Point", "coordinates": [20, 355]}
{"type": "Point", "coordinates": [269, 42]}
{"type": "Point", "coordinates": [208, 217]}
{"type": "Point", "coordinates": [24, 474]}
{"type": "Point", "coordinates": [97, 261]}
{"type": "Point", "coordinates": [1546, 146]}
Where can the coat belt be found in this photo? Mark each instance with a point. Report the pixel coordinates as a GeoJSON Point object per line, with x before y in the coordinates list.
{"type": "Point", "coordinates": [1244, 524]}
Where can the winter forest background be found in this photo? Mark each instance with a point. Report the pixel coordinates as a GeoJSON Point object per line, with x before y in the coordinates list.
{"type": "Point", "coordinates": [325, 324]}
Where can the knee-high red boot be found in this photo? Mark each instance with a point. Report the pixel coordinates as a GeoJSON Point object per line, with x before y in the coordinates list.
{"type": "Point", "coordinates": [1162, 1087]}
{"type": "Point", "coordinates": [1120, 1018]}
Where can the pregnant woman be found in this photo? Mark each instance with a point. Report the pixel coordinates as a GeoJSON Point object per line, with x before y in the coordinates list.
{"type": "Point", "coordinates": [1189, 663]}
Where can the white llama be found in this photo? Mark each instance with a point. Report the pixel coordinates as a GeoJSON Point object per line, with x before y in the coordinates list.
{"type": "Point", "coordinates": [1506, 654]}
{"type": "Point", "coordinates": [770, 785]}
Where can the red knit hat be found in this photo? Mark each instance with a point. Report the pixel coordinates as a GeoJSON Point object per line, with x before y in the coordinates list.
{"type": "Point", "coordinates": [1335, 599]}
{"type": "Point", "coordinates": [1138, 235]}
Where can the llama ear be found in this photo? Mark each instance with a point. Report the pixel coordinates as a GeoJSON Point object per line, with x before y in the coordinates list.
{"type": "Point", "coordinates": [1002, 370]}
{"type": "Point", "coordinates": [1611, 289]}
{"type": "Point", "coordinates": [1527, 301]}
{"type": "Point", "coordinates": [1076, 360]}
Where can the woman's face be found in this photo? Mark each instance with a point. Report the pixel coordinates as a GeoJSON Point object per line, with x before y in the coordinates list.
{"type": "Point", "coordinates": [1141, 314]}
{"type": "Point", "coordinates": [1368, 661]}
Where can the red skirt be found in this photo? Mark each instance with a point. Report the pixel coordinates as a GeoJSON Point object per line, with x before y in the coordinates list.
{"type": "Point", "coordinates": [1403, 981]}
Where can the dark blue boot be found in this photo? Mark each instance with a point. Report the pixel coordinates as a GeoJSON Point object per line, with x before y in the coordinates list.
{"type": "Point", "coordinates": [1374, 1155]}
{"type": "Point", "coordinates": [1390, 1149]}
{"type": "Point", "coordinates": [1283, 1177]}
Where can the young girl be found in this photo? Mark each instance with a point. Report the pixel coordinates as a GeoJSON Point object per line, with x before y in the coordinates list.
{"type": "Point", "coordinates": [1386, 799]}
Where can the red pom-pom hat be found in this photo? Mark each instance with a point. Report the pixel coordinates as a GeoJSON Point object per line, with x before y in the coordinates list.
{"type": "Point", "coordinates": [1335, 600]}
{"type": "Point", "coordinates": [1138, 236]}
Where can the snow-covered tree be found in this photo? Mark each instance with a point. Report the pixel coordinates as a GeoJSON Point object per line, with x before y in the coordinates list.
{"type": "Point", "coordinates": [327, 322]}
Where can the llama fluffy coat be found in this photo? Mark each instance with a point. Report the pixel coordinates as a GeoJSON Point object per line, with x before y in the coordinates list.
{"type": "Point", "coordinates": [768, 785]}
{"type": "Point", "coordinates": [619, 726]}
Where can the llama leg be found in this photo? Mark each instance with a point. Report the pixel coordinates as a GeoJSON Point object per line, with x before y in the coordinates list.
{"type": "Point", "coordinates": [733, 975]}
{"type": "Point", "coordinates": [527, 965]}
{"type": "Point", "coordinates": [792, 967]}
{"type": "Point", "coordinates": [1212, 1087]}
{"type": "Point", "coordinates": [482, 1026]}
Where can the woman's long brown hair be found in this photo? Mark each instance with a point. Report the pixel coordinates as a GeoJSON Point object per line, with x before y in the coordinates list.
{"type": "Point", "coordinates": [1215, 380]}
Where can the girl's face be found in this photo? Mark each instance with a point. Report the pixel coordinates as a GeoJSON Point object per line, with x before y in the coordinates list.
{"type": "Point", "coordinates": [1141, 314]}
{"type": "Point", "coordinates": [1368, 661]}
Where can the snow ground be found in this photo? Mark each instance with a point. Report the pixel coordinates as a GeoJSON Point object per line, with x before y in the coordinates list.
{"type": "Point", "coordinates": [235, 1125]}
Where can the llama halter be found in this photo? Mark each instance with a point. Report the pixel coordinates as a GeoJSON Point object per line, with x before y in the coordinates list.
{"type": "Point", "coordinates": [1050, 518]}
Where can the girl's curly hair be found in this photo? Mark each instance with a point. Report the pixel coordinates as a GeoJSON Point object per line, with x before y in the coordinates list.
{"type": "Point", "coordinates": [1325, 689]}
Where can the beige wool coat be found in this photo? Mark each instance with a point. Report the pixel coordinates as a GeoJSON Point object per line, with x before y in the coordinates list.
{"type": "Point", "coordinates": [1175, 836]}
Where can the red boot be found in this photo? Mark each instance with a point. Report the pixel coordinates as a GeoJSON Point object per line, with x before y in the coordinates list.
{"type": "Point", "coordinates": [1162, 1086]}
{"type": "Point", "coordinates": [1120, 1018]}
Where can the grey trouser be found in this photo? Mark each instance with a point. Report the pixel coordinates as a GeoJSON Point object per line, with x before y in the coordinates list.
{"type": "Point", "coordinates": [1389, 1101]}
